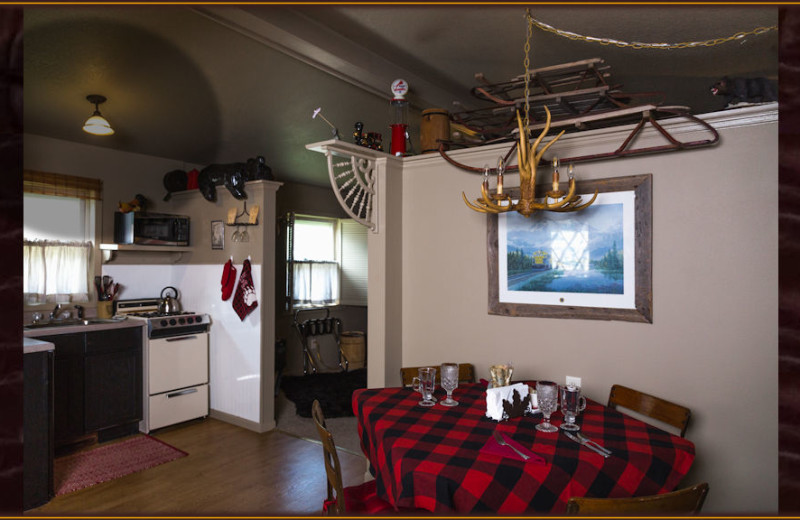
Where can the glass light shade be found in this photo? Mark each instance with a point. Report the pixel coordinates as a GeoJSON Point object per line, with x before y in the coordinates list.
{"type": "Point", "coordinates": [97, 125]}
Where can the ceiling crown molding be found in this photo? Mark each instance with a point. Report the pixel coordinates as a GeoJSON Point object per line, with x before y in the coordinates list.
{"type": "Point", "coordinates": [305, 39]}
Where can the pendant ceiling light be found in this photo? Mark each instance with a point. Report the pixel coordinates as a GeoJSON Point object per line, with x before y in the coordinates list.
{"type": "Point", "coordinates": [97, 124]}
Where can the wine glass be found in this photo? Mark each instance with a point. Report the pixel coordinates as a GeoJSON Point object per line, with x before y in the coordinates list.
{"type": "Point", "coordinates": [449, 376]}
{"type": "Point", "coordinates": [547, 399]}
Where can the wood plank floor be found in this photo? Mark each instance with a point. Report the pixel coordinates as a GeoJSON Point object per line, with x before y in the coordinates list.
{"type": "Point", "coordinates": [229, 471]}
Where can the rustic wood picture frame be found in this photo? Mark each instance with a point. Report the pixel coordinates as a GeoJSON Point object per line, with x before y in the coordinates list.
{"type": "Point", "coordinates": [642, 186]}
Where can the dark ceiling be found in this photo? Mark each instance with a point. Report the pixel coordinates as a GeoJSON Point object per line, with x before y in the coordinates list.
{"type": "Point", "coordinates": [205, 84]}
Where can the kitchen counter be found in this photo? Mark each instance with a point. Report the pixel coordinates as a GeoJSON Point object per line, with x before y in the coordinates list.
{"type": "Point", "coordinates": [30, 345]}
{"type": "Point", "coordinates": [92, 327]}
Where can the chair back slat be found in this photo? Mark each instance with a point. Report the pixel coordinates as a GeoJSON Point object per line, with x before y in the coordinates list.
{"type": "Point", "coordinates": [688, 501]}
{"type": "Point", "coordinates": [332, 468]}
{"type": "Point", "coordinates": [659, 409]}
{"type": "Point", "coordinates": [466, 373]}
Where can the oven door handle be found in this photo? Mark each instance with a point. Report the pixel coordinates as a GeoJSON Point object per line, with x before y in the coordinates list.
{"type": "Point", "coordinates": [182, 392]}
{"type": "Point", "coordinates": [180, 338]}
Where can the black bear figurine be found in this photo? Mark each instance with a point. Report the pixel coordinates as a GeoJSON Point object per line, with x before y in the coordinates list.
{"type": "Point", "coordinates": [745, 90]}
{"type": "Point", "coordinates": [233, 176]}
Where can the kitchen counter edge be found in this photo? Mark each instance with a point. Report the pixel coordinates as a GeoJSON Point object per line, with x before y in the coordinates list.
{"type": "Point", "coordinates": [52, 331]}
{"type": "Point", "coordinates": [31, 345]}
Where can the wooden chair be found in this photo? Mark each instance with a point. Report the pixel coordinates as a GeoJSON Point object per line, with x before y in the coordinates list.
{"type": "Point", "coordinates": [361, 499]}
{"type": "Point", "coordinates": [651, 406]}
{"type": "Point", "coordinates": [683, 502]}
{"type": "Point", "coordinates": [466, 373]}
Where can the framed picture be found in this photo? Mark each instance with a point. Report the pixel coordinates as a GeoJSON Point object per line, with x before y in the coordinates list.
{"type": "Point", "coordinates": [590, 264]}
{"type": "Point", "coordinates": [217, 234]}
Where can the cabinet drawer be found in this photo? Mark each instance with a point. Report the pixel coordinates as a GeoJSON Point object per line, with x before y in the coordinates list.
{"type": "Point", "coordinates": [177, 362]}
{"type": "Point", "coordinates": [114, 340]}
{"type": "Point", "coordinates": [178, 406]}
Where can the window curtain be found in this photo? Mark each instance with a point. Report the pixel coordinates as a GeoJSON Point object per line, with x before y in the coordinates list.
{"type": "Point", "coordinates": [315, 283]}
{"type": "Point", "coordinates": [49, 269]}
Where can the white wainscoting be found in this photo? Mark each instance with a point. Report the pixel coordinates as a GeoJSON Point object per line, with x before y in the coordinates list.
{"type": "Point", "coordinates": [235, 345]}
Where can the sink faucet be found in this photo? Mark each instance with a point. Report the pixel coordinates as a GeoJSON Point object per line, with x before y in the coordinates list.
{"type": "Point", "coordinates": [55, 312]}
{"type": "Point", "coordinates": [79, 311]}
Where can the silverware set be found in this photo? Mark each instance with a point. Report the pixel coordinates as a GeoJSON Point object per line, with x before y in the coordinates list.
{"type": "Point", "coordinates": [589, 443]}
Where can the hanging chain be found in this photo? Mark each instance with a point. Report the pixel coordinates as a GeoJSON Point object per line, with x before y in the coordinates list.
{"type": "Point", "coordinates": [527, 63]}
{"type": "Point", "coordinates": [639, 45]}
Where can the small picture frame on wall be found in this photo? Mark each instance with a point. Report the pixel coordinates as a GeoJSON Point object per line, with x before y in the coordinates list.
{"type": "Point", "coordinates": [217, 234]}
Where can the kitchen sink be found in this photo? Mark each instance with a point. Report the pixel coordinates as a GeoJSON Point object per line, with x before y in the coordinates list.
{"type": "Point", "coordinates": [73, 322]}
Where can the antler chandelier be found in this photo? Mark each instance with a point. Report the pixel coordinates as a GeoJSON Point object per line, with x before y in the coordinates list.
{"type": "Point", "coordinates": [528, 158]}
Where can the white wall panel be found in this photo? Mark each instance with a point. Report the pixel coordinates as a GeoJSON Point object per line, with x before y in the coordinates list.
{"type": "Point", "coordinates": [234, 358]}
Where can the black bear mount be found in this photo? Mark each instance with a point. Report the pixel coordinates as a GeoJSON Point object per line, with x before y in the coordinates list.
{"type": "Point", "coordinates": [745, 90]}
{"type": "Point", "coordinates": [232, 176]}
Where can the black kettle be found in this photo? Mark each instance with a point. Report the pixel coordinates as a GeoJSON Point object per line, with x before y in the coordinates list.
{"type": "Point", "coordinates": [169, 304]}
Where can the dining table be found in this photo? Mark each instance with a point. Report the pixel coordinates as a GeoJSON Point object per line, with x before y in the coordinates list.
{"type": "Point", "coordinates": [445, 459]}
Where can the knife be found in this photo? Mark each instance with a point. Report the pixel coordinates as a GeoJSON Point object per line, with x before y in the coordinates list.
{"type": "Point", "coordinates": [569, 435]}
{"type": "Point", "coordinates": [590, 442]}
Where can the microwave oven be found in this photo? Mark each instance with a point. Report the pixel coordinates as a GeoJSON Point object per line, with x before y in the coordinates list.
{"type": "Point", "coordinates": [154, 229]}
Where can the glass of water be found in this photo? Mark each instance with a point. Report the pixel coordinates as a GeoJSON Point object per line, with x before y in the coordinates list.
{"type": "Point", "coordinates": [449, 376]}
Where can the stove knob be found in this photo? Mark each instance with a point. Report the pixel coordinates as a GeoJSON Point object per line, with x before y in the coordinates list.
{"type": "Point", "coordinates": [172, 321]}
{"type": "Point", "coordinates": [190, 319]}
{"type": "Point", "coordinates": [181, 321]}
{"type": "Point", "coordinates": [163, 323]}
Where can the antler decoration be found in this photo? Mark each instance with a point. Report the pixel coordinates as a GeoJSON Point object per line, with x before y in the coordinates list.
{"type": "Point", "coordinates": [528, 157]}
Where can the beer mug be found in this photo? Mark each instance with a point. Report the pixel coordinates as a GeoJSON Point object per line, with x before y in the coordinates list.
{"type": "Point", "coordinates": [501, 374]}
{"type": "Point", "coordinates": [425, 384]}
{"type": "Point", "coordinates": [572, 403]}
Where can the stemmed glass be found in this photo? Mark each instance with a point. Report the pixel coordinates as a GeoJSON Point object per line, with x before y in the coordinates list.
{"type": "Point", "coordinates": [449, 375]}
{"type": "Point", "coordinates": [547, 399]}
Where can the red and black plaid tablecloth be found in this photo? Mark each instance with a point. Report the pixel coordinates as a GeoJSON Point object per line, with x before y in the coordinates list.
{"type": "Point", "coordinates": [430, 458]}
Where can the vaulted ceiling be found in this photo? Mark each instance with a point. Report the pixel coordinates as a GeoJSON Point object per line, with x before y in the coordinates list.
{"type": "Point", "coordinates": [205, 84]}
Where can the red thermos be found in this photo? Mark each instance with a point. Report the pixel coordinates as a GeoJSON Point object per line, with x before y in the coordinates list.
{"type": "Point", "coordinates": [399, 117]}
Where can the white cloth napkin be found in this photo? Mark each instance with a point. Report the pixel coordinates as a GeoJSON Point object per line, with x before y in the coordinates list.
{"type": "Point", "coordinates": [496, 396]}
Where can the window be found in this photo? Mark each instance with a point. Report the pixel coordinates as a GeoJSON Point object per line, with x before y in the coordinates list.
{"type": "Point", "coordinates": [326, 262]}
{"type": "Point", "coordinates": [59, 213]}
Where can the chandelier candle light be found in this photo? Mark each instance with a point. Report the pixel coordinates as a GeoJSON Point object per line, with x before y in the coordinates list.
{"type": "Point", "coordinates": [528, 157]}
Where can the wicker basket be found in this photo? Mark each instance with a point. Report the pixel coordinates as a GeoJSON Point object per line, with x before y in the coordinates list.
{"type": "Point", "coordinates": [353, 347]}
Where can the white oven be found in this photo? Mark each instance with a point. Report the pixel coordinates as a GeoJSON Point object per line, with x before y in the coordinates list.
{"type": "Point", "coordinates": [175, 364]}
{"type": "Point", "coordinates": [177, 380]}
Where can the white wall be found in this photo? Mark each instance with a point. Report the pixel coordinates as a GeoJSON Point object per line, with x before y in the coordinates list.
{"type": "Point", "coordinates": [713, 343]}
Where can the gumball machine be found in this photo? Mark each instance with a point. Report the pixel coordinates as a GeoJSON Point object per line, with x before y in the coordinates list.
{"type": "Point", "coordinates": [399, 117]}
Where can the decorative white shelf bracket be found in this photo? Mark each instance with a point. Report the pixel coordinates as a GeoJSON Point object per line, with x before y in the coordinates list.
{"type": "Point", "coordinates": [352, 171]}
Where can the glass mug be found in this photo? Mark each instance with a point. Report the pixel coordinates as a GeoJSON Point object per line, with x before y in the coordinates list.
{"type": "Point", "coordinates": [425, 384]}
{"type": "Point", "coordinates": [501, 374]}
{"type": "Point", "coordinates": [572, 403]}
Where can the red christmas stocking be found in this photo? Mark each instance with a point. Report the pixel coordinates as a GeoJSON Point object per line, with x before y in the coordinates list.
{"type": "Point", "coordinates": [244, 301]}
{"type": "Point", "coordinates": [228, 280]}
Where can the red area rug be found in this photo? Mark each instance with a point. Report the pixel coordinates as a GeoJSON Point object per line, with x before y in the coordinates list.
{"type": "Point", "coordinates": [87, 468]}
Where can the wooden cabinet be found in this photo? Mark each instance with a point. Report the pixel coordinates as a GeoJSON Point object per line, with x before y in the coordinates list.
{"type": "Point", "coordinates": [67, 386]}
{"type": "Point", "coordinates": [98, 383]}
{"type": "Point", "coordinates": [113, 378]}
{"type": "Point", "coordinates": [38, 429]}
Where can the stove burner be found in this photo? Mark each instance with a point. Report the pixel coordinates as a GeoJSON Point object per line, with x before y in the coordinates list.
{"type": "Point", "coordinates": [156, 314]}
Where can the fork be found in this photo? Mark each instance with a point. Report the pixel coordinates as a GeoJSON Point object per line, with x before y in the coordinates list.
{"type": "Point", "coordinates": [501, 441]}
{"type": "Point", "coordinates": [587, 440]}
